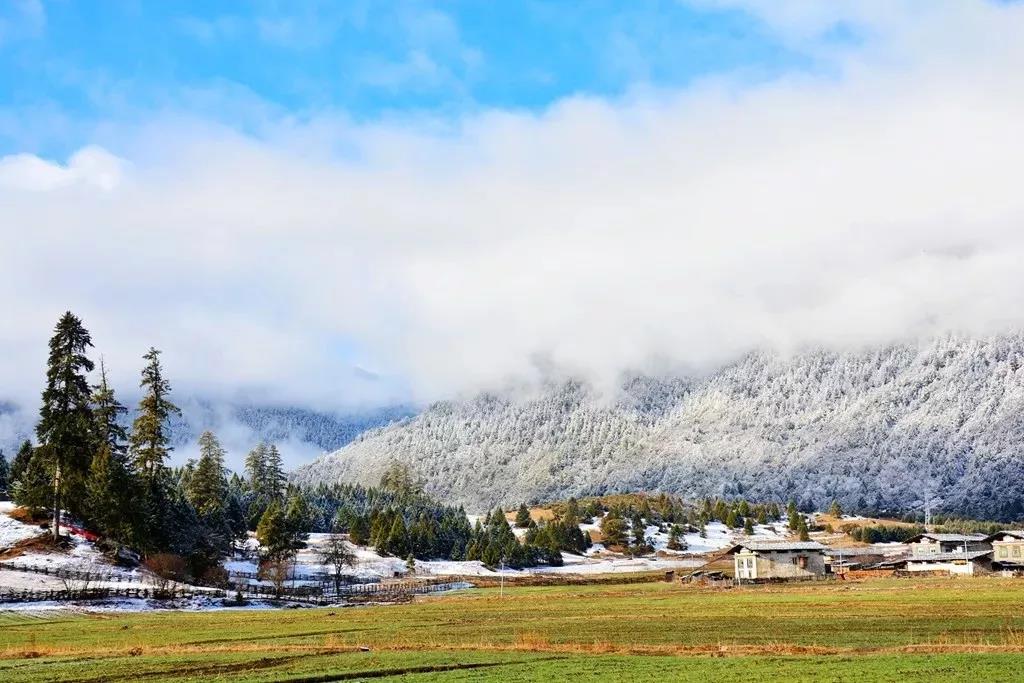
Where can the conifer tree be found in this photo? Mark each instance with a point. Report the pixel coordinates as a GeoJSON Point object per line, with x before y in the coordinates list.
{"type": "Point", "coordinates": [398, 541]}
{"type": "Point", "coordinates": [675, 538]}
{"type": "Point", "coordinates": [20, 462]}
{"type": "Point", "coordinates": [802, 530]}
{"type": "Point", "coordinates": [5, 477]}
{"type": "Point", "coordinates": [65, 429]}
{"type": "Point", "coordinates": [359, 530]}
{"type": "Point", "coordinates": [150, 443]}
{"type": "Point", "coordinates": [272, 533]}
{"type": "Point", "coordinates": [748, 526]}
{"type": "Point", "coordinates": [208, 487]}
{"type": "Point", "coordinates": [110, 486]}
{"type": "Point", "coordinates": [613, 529]}
{"type": "Point", "coordinates": [32, 489]}
{"type": "Point", "coordinates": [256, 467]}
{"type": "Point", "coordinates": [731, 520]}
{"type": "Point", "coordinates": [274, 476]}
{"type": "Point", "coordinates": [523, 517]}
{"type": "Point", "coordinates": [149, 446]}
{"type": "Point", "coordinates": [836, 510]}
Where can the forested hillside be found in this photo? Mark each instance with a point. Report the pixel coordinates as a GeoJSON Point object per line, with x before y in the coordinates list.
{"type": "Point", "coordinates": [939, 422]}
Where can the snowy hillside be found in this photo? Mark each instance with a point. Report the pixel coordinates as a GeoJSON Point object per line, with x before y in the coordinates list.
{"type": "Point", "coordinates": [878, 430]}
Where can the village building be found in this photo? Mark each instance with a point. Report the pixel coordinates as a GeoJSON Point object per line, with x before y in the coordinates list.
{"type": "Point", "coordinates": [936, 544]}
{"type": "Point", "coordinates": [1008, 551]}
{"type": "Point", "coordinates": [842, 560]}
{"type": "Point", "coordinates": [778, 560]}
{"type": "Point", "coordinates": [964, 554]}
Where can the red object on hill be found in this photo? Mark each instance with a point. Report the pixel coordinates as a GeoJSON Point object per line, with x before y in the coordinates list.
{"type": "Point", "coordinates": [84, 533]}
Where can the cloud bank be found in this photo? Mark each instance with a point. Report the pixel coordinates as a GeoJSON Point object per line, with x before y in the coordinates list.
{"type": "Point", "coordinates": [330, 263]}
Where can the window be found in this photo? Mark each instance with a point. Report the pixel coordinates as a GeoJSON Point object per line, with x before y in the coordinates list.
{"type": "Point", "coordinates": [802, 561]}
{"type": "Point", "coordinates": [1016, 551]}
{"type": "Point", "coordinates": [1005, 552]}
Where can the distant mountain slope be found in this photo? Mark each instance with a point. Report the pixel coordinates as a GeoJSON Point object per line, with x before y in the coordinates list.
{"type": "Point", "coordinates": [885, 429]}
{"type": "Point", "coordinates": [303, 433]}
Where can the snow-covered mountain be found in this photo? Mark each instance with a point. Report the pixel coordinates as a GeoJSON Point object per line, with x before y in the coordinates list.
{"type": "Point", "coordinates": [887, 429]}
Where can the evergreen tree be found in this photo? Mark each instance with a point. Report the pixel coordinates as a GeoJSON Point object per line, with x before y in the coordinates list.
{"type": "Point", "coordinates": [150, 443]}
{"type": "Point", "coordinates": [149, 446]}
{"type": "Point", "coordinates": [836, 509]}
{"type": "Point", "coordinates": [359, 530]}
{"type": "Point", "coordinates": [256, 467]}
{"type": "Point", "coordinates": [297, 520]}
{"type": "Point", "coordinates": [802, 530]}
{"type": "Point", "coordinates": [731, 520]}
{"type": "Point", "coordinates": [32, 489]}
{"type": "Point", "coordinates": [748, 526]}
{"type": "Point", "coordinates": [675, 538]}
{"type": "Point", "coordinates": [110, 487]}
{"type": "Point", "coordinates": [613, 529]}
{"type": "Point", "coordinates": [20, 462]}
{"type": "Point", "coordinates": [274, 476]}
{"type": "Point", "coordinates": [272, 533]}
{"type": "Point", "coordinates": [208, 486]}
{"type": "Point", "coordinates": [523, 517]}
{"type": "Point", "coordinates": [397, 541]}
{"type": "Point", "coordinates": [65, 428]}
{"type": "Point", "coordinates": [5, 477]}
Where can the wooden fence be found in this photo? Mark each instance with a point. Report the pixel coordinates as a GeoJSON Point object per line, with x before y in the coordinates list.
{"type": "Point", "coordinates": [310, 595]}
{"type": "Point", "coordinates": [34, 595]}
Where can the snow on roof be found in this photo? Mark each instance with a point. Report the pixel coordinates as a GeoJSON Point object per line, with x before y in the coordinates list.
{"type": "Point", "coordinates": [946, 557]}
{"type": "Point", "coordinates": [949, 538]}
{"type": "Point", "coordinates": [769, 546]}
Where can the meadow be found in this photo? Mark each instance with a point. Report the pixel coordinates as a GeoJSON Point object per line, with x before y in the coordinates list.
{"type": "Point", "coordinates": [887, 629]}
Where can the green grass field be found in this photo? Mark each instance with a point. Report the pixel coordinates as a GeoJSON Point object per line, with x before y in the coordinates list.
{"type": "Point", "coordinates": [920, 630]}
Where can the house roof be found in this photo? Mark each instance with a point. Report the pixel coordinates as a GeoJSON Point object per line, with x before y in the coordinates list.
{"type": "Point", "coordinates": [1015, 533]}
{"type": "Point", "coordinates": [947, 557]}
{"type": "Point", "coordinates": [769, 546]}
{"type": "Point", "coordinates": [949, 538]}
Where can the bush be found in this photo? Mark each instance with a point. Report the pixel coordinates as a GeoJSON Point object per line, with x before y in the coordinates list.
{"type": "Point", "coordinates": [167, 567]}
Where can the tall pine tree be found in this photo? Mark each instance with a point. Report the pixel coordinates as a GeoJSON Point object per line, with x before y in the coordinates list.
{"type": "Point", "coordinates": [149, 447]}
{"type": "Point", "coordinates": [65, 429]}
{"type": "Point", "coordinates": [110, 487]}
{"type": "Point", "coordinates": [208, 486]}
{"type": "Point", "coordinates": [149, 440]}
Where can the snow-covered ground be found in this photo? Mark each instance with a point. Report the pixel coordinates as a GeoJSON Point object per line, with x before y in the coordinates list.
{"type": "Point", "coordinates": [11, 530]}
{"type": "Point", "coordinates": [597, 560]}
{"type": "Point", "coordinates": [369, 565]}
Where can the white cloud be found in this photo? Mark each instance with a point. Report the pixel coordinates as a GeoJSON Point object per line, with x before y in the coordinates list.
{"type": "Point", "coordinates": [667, 228]}
{"type": "Point", "coordinates": [93, 166]}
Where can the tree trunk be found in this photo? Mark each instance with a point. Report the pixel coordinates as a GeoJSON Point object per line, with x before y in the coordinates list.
{"type": "Point", "coordinates": [56, 503]}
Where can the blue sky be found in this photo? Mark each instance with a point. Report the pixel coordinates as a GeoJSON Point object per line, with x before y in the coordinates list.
{"type": "Point", "coordinates": [67, 67]}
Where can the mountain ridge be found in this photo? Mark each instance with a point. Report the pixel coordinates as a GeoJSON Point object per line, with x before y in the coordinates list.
{"type": "Point", "coordinates": [937, 423]}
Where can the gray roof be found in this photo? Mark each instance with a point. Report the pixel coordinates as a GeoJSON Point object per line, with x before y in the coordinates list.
{"type": "Point", "coordinates": [946, 557]}
{"type": "Point", "coordinates": [1015, 533]}
{"type": "Point", "coordinates": [769, 546]}
{"type": "Point", "coordinates": [950, 538]}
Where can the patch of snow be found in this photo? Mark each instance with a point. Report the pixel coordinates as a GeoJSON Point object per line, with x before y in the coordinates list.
{"type": "Point", "coordinates": [11, 530]}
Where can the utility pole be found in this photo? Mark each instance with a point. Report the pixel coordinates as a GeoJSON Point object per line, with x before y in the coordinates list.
{"type": "Point", "coordinates": [501, 589]}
